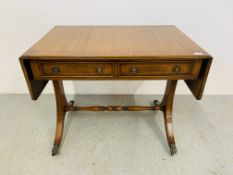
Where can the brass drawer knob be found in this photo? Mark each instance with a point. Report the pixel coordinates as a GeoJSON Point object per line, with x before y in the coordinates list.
{"type": "Point", "coordinates": [99, 70]}
{"type": "Point", "coordinates": [176, 69]}
{"type": "Point", "coordinates": [133, 70]}
{"type": "Point", "coordinates": [55, 70]}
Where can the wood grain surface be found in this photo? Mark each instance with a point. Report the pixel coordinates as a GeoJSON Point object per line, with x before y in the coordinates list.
{"type": "Point", "coordinates": [115, 53]}
{"type": "Point", "coordinates": [115, 41]}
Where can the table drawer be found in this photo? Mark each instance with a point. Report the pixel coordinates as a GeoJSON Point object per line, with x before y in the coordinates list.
{"type": "Point", "coordinates": [76, 69]}
{"type": "Point", "coordinates": [164, 68]}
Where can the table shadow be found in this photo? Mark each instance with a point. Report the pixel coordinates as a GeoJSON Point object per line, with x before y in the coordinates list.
{"type": "Point", "coordinates": [151, 122]}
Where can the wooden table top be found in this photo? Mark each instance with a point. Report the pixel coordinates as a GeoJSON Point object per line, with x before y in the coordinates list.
{"type": "Point", "coordinates": [114, 45]}
{"type": "Point", "coordinates": [114, 42]}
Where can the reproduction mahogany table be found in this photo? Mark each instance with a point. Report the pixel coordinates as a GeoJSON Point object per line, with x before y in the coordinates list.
{"type": "Point", "coordinates": [115, 53]}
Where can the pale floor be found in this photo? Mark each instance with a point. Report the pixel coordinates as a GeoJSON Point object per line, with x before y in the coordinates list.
{"type": "Point", "coordinates": [115, 143]}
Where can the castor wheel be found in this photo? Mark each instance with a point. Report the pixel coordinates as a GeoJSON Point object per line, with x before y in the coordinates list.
{"type": "Point", "coordinates": [173, 149]}
{"type": "Point", "coordinates": [55, 150]}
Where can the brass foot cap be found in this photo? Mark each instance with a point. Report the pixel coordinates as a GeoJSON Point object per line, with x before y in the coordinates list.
{"type": "Point", "coordinates": [173, 149]}
{"type": "Point", "coordinates": [55, 150]}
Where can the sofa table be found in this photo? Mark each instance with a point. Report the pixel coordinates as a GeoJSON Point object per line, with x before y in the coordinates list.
{"type": "Point", "coordinates": [115, 53]}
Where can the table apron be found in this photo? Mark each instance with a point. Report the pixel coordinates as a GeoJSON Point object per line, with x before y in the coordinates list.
{"type": "Point", "coordinates": [134, 70]}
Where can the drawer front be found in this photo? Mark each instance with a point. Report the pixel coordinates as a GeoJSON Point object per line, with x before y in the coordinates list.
{"type": "Point", "coordinates": [116, 70]}
{"type": "Point", "coordinates": [185, 69]}
{"type": "Point", "coordinates": [76, 69]}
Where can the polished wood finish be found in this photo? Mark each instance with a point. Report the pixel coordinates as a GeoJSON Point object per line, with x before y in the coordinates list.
{"type": "Point", "coordinates": [112, 108]}
{"type": "Point", "coordinates": [35, 86]}
{"type": "Point", "coordinates": [114, 44]}
{"type": "Point", "coordinates": [167, 102]}
{"type": "Point", "coordinates": [77, 69]}
{"type": "Point", "coordinates": [62, 104]}
{"type": "Point", "coordinates": [197, 86]}
{"type": "Point", "coordinates": [115, 53]}
{"type": "Point", "coordinates": [84, 42]}
{"type": "Point", "coordinates": [177, 70]}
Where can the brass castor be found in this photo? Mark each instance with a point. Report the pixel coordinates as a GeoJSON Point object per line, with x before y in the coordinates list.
{"type": "Point", "coordinates": [55, 150]}
{"type": "Point", "coordinates": [173, 149]}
